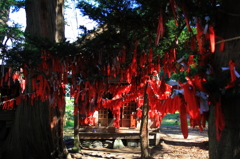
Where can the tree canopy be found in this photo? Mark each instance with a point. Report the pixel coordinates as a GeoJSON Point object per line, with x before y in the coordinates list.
{"type": "Point", "coordinates": [134, 38]}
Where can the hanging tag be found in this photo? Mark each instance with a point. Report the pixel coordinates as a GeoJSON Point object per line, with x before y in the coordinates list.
{"type": "Point", "coordinates": [236, 73]}
{"type": "Point", "coordinates": [2, 66]}
{"type": "Point", "coordinates": [207, 18]}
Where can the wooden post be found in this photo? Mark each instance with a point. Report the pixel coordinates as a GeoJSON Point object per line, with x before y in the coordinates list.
{"type": "Point", "coordinates": [76, 147]}
{"type": "Point", "coordinates": [144, 138]}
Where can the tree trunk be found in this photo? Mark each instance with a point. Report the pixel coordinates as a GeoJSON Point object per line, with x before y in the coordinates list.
{"type": "Point", "coordinates": [60, 24]}
{"type": "Point", "coordinates": [41, 18]}
{"type": "Point", "coordinates": [227, 27]}
{"type": "Point", "coordinates": [4, 15]}
{"type": "Point", "coordinates": [30, 136]}
{"type": "Point", "coordinates": [76, 147]}
{"type": "Point", "coordinates": [144, 127]}
{"type": "Point", "coordinates": [38, 130]}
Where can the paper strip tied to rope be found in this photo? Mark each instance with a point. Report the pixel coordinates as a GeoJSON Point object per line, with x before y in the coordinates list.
{"type": "Point", "coordinates": [234, 74]}
{"type": "Point", "coordinates": [203, 99]}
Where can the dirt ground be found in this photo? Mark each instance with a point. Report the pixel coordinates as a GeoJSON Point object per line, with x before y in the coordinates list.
{"type": "Point", "coordinates": [172, 146]}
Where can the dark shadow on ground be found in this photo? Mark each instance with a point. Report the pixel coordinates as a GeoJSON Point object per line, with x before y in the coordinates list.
{"type": "Point", "coordinates": [202, 145]}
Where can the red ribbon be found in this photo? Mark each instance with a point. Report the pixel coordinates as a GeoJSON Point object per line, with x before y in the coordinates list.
{"type": "Point", "coordinates": [183, 119]}
{"type": "Point", "coordinates": [232, 65]}
{"type": "Point", "coordinates": [174, 9]}
{"type": "Point", "coordinates": [220, 123]}
{"type": "Point", "coordinates": [160, 28]}
{"type": "Point", "coordinates": [212, 38]}
{"type": "Point", "coordinates": [199, 35]}
{"type": "Point", "coordinates": [184, 8]}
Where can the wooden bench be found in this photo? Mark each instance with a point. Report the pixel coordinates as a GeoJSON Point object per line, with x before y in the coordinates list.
{"type": "Point", "coordinates": [154, 137]}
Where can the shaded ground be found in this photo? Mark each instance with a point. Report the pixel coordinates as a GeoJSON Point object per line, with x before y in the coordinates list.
{"type": "Point", "coordinates": [172, 146]}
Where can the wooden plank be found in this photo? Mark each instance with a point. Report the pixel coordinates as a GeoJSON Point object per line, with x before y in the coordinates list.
{"type": "Point", "coordinates": [92, 135]}
{"type": "Point", "coordinates": [7, 115]}
{"type": "Point", "coordinates": [89, 129]}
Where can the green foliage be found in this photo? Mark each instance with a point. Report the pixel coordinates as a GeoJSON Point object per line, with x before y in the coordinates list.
{"type": "Point", "coordinates": [180, 76]}
{"type": "Point", "coordinates": [69, 123]}
{"type": "Point", "coordinates": [170, 120]}
{"type": "Point", "coordinates": [16, 4]}
{"type": "Point", "coordinates": [12, 33]}
{"type": "Point", "coordinates": [11, 53]}
{"type": "Point", "coordinates": [31, 50]}
{"type": "Point", "coordinates": [69, 116]}
{"type": "Point", "coordinates": [5, 4]}
{"type": "Point", "coordinates": [126, 21]}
